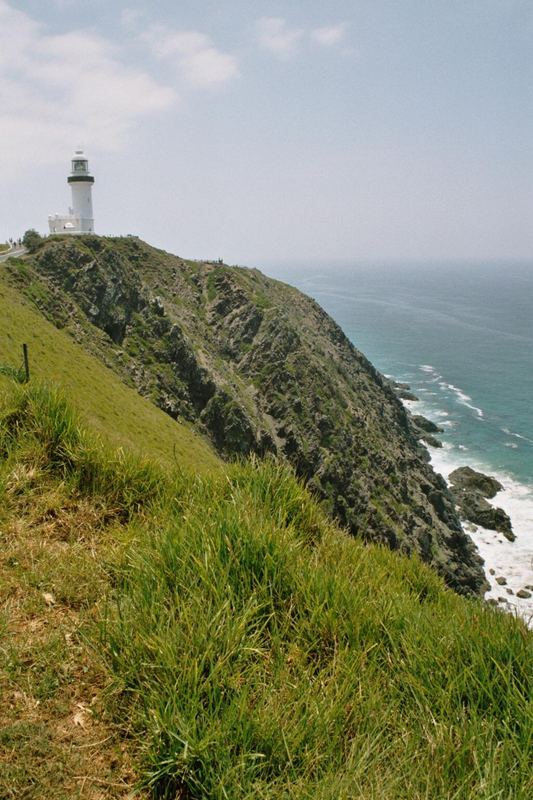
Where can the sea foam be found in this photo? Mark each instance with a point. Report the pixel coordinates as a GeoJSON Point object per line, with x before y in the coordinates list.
{"type": "Point", "coordinates": [512, 561]}
{"type": "Point", "coordinates": [516, 435]}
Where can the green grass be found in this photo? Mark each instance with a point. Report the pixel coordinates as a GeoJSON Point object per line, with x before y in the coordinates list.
{"type": "Point", "coordinates": [253, 650]}
{"type": "Point", "coordinates": [117, 413]}
{"type": "Point", "coordinates": [63, 507]}
{"type": "Point", "coordinates": [4, 247]}
{"type": "Point", "coordinates": [211, 285]}
{"type": "Point", "coordinates": [290, 661]}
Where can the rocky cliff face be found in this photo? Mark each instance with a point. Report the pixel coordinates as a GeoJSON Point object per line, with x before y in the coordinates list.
{"type": "Point", "coordinates": [262, 369]}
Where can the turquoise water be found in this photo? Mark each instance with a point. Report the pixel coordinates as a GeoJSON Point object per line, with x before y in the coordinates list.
{"type": "Point", "coordinates": [460, 335]}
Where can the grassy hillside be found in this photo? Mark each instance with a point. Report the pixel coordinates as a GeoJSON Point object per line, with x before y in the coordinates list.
{"type": "Point", "coordinates": [114, 411]}
{"type": "Point", "coordinates": [217, 637]}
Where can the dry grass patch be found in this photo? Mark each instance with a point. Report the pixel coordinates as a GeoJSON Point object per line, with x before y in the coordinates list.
{"type": "Point", "coordinates": [56, 740]}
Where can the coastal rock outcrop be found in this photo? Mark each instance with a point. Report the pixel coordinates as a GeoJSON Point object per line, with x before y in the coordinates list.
{"type": "Point", "coordinates": [403, 391]}
{"type": "Point", "coordinates": [259, 368]}
{"type": "Point", "coordinates": [425, 425]}
{"type": "Point", "coordinates": [468, 479]}
{"type": "Point", "coordinates": [470, 490]}
{"type": "Point", "coordinates": [425, 429]}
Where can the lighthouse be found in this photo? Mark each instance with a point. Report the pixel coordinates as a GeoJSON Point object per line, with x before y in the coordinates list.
{"type": "Point", "coordinates": [80, 217]}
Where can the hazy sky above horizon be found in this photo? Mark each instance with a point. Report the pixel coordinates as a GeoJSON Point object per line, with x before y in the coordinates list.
{"type": "Point", "coordinates": [270, 130]}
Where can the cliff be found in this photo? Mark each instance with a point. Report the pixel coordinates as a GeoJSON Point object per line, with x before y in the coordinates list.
{"type": "Point", "coordinates": [260, 368]}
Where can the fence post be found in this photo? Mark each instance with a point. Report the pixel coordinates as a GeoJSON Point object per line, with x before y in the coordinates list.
{"type": "Point", "coordinates": [26, 361]}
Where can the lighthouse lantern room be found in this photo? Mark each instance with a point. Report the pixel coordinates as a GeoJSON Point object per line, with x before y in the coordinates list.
{"type": "Point", "coordinates": [80, 217]}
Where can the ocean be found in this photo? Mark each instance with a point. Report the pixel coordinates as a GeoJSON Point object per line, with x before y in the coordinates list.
{"type": "Point", "coordinates": [462, 336]}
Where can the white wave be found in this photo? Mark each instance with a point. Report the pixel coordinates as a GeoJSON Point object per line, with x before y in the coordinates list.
{"type": "Point", "coordinates": [461, 397]}
{"type": "Point", "coordinates": [432, 373]}
{"type": "Point", "coordinates": [510, 560]}
{"type": "Point", "coordinates": [513, 445]}
{"type": "Point", "coordinates": [517, 435]}
{"type": "Point", "coordinates": [455, 389]}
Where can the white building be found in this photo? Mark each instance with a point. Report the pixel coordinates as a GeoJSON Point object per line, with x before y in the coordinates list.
{"type": "Point", "coordinates": [80, 217]}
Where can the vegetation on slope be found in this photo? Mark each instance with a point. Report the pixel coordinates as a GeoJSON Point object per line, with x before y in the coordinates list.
{"type": "Point", "coordinates": [248, 648]}
{"type": "Point", "coordinates": [112, 409]}
{"type": "Point", "coordinates": [63, 505]}
{"type": "Point", "coordinates": [260, 368]}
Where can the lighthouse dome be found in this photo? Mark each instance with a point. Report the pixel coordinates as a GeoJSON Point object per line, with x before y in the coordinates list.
{"type": "Point", "coordinates": [80, 165]}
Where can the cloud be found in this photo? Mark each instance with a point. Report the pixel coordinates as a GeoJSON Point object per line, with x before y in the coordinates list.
{"type": "Point", "coordinates": [131, 18]}
{"type": "Point", "coordinates": [274, 34]}
{"type": "Point", "coordinates": [329, 35]}
{"type": "Point", "coordinates": [193, 54]}
{"type": "Point", "coordinates": [61, 90]}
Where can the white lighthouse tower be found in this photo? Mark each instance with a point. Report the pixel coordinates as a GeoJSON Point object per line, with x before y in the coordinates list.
{"type": "Point", "coordinates": [80, 217]}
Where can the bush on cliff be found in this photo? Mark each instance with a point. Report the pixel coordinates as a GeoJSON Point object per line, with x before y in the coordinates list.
{"type": "Point", "coordinates": [32, 240]}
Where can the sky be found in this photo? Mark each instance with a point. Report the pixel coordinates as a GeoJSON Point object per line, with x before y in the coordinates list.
{"type": "Point", "coordinates": [264, 131]}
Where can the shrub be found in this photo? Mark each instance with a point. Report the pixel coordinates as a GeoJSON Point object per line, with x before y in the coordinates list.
{"type": "Point", "coordinates": [32, 240]}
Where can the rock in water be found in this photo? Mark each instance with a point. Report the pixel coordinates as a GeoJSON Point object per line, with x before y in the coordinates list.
{"type": "Point", "coordinates": [468, 479]}
{"type": "Point", "coordinates": [470, 488]}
